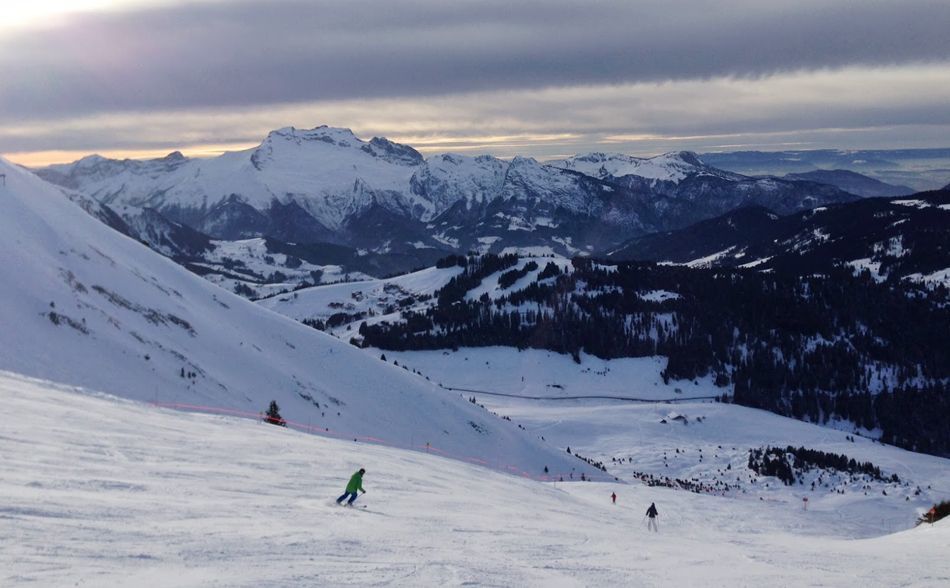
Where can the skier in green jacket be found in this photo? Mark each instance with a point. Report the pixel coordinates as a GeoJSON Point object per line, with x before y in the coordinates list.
{"type": "Point", "coordinates": [355, 483]}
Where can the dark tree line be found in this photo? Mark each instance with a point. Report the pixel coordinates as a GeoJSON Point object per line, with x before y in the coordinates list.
{"type": "Point", "coordinates": [789, 463]}
{"type": "Point", "coordinates": [476, 269]}
{"type": "Point", "coordinates": [815, 348]}
{"type": "Point", "coordinates": [507, 279]}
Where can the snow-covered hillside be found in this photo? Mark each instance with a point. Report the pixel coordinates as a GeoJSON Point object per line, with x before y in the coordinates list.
{"type": "Point", "coordinates": [83, 304]}
{"type": "Point", "coordinates": [250, 268]}
{"type": "Point", "coordinates": [157, 498]}
{"type": "Point", "coordinates": [372, 300]}
{"type": "Point", "coordinates": [546, 374]}
{"type": "Point", "coordinates": [449, 178]}
{"type": "Point", "coordinates": [653, 322]}
{"type": "Point", "coordinates": [903, 238]}
{"type": "Point", "coordinates": [341, 306]}
{"type": "Point", "coordinates": [707, 445]}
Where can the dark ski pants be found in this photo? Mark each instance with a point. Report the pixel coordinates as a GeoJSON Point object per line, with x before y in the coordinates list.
{"type": "Point", "coordinates": [352, 496]}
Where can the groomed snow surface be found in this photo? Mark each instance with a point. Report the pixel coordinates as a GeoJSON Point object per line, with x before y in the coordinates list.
{"type": "Point", "coordinates": [106, 492]}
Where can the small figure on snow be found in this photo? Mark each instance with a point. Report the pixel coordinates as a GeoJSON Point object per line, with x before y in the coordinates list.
{"type": "Point", "coordinates": [652, 514]}
{"type": "Point", "coordinates": [355, 483]}
{"type": "Point", "coordinates": [613, 497]}
{"type": "Point", "coordinates": [932, 514]}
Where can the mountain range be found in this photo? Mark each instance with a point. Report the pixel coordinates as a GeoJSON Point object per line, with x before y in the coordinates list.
{"type": "Point", "coordinates": [325, 185]}
{"type": "Point", "coordinates": [906, 237]}
{"type": "Point", "coordinates": [921, 169]}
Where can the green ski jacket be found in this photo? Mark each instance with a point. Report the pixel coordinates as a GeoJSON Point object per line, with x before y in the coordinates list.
{"type": "Point", "coordinates": [356, 483]}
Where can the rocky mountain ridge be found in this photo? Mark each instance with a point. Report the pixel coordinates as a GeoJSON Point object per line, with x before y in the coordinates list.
{"type": "Point", "coordinates": [328, 185]}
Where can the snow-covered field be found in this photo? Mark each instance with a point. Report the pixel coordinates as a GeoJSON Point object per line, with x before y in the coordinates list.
{"type": "Point", "coordinates": [247, 262]}
{"type": "Point", "coordinates": [374, 299]}
{"type": "Point", "coordinates": [99, 491]}
{"type": "Point", "coordinates": [537, 372]}
{"type": "Point", "coordinates": [710, 448]}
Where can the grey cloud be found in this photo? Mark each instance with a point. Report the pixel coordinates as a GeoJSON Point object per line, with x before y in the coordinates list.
{"type": "Point", "coordinates": [857, 107]}
{"type": "Point", "coordinates": [252, 53]}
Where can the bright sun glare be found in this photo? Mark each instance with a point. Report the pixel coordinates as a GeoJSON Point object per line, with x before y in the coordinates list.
{"type": "Point", "coordinates": [19, 13]}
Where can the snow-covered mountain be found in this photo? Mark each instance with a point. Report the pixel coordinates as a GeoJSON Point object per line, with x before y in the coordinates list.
{"type": "Point", "coordinates": [327, 185]}
{"type": "Point", "coordinates": [82, 304]}
{"type": "Point", "coordinates": [337, 307]}
{"type": "Point", "coordinates": [906, 237]}
{"type": "Point", "coordinates": [669, 167]}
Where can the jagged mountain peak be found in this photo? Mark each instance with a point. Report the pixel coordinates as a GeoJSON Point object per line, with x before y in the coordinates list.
{"type": "Point", "coordinates": [278, 140]}
{"type": "Point", "coordinates": [393, 152]}
{"type": "Point", "coordinates": [174, 156]}
{"type": "Point", "coordinates": [98, 166]}
{"type": "Point", "coordinates": [459, 160]}
{"type": "Point", "coordinates": [687, 157]}
{"type": "Point", "coordinates": [327, 134]}
{"type": "Point", "coordinates": [451, 159]}
{"type": "Point", "coordinates": [523, 160]}
{"type": "Point", "coordinates": [321, 140]}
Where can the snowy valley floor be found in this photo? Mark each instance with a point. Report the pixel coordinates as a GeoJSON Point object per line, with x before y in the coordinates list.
{"type": "Point", "coordinates": [104, 492]}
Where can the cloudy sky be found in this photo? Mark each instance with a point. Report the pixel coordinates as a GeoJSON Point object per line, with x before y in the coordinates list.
{"type": "Point", "coordinates": [544, 78]}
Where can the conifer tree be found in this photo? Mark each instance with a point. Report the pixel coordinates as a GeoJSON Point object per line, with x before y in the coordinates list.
{"type": "Point", "coordinates": [273, 415]}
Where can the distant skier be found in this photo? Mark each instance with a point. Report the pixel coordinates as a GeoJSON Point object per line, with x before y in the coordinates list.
{"type": "Point", "coordinates": [613, 497]}
{"type": "Point", "coordinates": [652, 514]}
{"type": "Point", "coordinates": [355, 483]}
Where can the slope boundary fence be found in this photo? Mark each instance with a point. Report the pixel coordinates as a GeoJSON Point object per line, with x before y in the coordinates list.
{"type": "Point", "coordinates": [496, 465]}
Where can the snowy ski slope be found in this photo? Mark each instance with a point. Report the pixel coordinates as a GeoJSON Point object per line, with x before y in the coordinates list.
{"type": "Point", "coordinates": [159, 498]}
